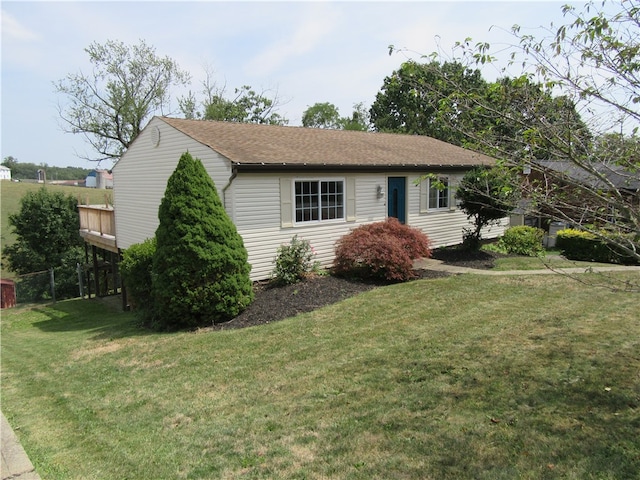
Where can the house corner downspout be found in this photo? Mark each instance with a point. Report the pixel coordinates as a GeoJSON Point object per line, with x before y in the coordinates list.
{"type": "Point", "coordinates": [234, 174]}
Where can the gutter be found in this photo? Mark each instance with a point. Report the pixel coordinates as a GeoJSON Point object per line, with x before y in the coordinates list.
{"type": "Point", "coordinates": [234, 174]}
{"type": "Point", "coordinates": [291, 168]}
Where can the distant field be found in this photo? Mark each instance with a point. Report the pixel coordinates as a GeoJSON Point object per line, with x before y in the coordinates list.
{"type": "Point", "coordinates": [12, 192]}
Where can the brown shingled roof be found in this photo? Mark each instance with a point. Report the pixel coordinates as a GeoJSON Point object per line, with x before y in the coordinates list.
{"type": "Point", "coordinates": [269, 145]}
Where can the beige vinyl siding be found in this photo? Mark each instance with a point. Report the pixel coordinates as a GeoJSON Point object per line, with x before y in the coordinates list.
{"type": "Point", "coordinates": [255, 201]}
{"type": "Point", "coordinates": [444, 227]}
{"type": "Point", "coordinates": [370, 208]}
{"type": "Point", "coordinates": [140, 179]}
{"type": "Point", "coordinates": [257, 216]}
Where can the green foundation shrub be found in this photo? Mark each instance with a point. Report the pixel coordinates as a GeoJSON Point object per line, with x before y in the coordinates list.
{"type": "Point", "coordinates": [293, 262]}
{"type": "Point", "coordinates": [523, 240]}
{"type": "Point", "coordinates": [135, 270]}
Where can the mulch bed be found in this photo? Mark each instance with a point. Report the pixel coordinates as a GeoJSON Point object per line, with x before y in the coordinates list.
{"type": "Point", "coordinates": [273, 303]}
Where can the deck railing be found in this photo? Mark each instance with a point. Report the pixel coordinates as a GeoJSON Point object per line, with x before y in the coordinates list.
{"type": "Point", "coordinates": [98, 225]}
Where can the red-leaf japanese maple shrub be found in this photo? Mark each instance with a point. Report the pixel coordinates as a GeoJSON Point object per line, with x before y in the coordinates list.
{"type": "Point", "coordinates": [382, 250]}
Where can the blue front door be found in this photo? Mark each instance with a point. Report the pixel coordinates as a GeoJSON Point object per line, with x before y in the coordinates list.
{"type": "Point", "coordinates": [396, 201]}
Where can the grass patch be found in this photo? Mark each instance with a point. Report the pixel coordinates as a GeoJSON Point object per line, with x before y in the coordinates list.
{"type": "Point", "coordinates": [539, 263]}
{"type": "Point", "coordinates": [462, 377]}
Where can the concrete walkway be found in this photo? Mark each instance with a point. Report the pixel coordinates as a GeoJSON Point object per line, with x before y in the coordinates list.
{"type": "Point", "coordinates": [15, 463]}
{"type": "Point", "coordinates": [432, 264]}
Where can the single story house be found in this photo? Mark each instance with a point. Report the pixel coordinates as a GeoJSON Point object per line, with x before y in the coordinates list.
{"type": "Point", "coordinates": [276, 182]}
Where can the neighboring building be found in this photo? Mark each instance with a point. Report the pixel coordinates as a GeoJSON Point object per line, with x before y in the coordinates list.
{"type": "Point", "coordinates": [625, 181]}
{"type": "Point", "coordinates": [99, 179]}
{"type": "Point", "coordinates": [567, 176]}
{"type": "Point", "coordinates": [276, 182]}
{"type": "Point", "coordinates": [5, 173]}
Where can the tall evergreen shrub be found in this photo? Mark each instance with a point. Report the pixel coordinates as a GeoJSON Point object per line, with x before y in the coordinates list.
{"type": "Point", "coordinates": [200, 268]}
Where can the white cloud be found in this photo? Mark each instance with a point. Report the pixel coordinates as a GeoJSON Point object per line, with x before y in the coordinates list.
{"type": "Point", "coordinates": [12, 29]}
{"type": "Point", "coordinates": [316, 25]}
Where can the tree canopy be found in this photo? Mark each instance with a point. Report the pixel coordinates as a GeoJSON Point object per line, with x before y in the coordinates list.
{"type": "Point", "coordinates": [47, 236]}
{"type": "Point", "coordinates": [246, 106]}
{"type": "Point", "coordinates": [422, 98]}
{"type": "Point", "coordinates": [321, 115]}
{"type": "Point", "coordinates": [453, 103]}
{"type": "Point", "coordinates": [109, 106]}
{"type": "Point", "coordinates": [326, 115]}
{"type": "Point", "coordinates": [486, 196]}
{"type": "Point", "coordinates": [575, 101]}
{"type": "Point", "coordinates": [29, 171]}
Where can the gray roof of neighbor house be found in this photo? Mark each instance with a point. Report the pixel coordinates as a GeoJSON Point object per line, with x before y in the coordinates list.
{"type": "Point", "coordinates": [252, 145]}
{"type": "Point", "coordinates": [620, 178]}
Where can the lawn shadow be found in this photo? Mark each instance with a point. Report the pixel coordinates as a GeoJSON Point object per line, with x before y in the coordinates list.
{"type": "Point", "coordinates": [93, 316]}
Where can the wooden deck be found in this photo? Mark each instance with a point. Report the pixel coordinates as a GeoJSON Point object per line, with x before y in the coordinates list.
{"type": "Point", "coordinates": [98, 226]}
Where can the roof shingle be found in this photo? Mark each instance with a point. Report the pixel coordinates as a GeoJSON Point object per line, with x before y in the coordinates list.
{"type": "Point", "coordinates": [252, 144]}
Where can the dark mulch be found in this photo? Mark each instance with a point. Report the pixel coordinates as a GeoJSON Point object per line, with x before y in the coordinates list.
{"type": "Point", "coordinates": [273, 303]}
{"type": "Point", "coordinates": [481, 259]}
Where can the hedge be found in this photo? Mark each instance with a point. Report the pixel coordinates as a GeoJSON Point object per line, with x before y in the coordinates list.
{"type": "Point", "coordinates": [585, 246]}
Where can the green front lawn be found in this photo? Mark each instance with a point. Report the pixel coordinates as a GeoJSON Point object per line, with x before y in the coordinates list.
{"type": "Point", "coordinates": [552, 261]}
{"type": "Point", "coordinates": [465, 377]}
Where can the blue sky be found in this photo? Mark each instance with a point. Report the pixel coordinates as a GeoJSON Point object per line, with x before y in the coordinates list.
{"type": "Point", "coordinates": [308, 52]}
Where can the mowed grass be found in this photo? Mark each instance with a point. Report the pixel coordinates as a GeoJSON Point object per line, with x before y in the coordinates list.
{"type": "Point", "coordinates": [551, 261]}
{"type": "Point", "coordinates": [465, 377]}
{"type": "Point", "coordinates": [12, 192]}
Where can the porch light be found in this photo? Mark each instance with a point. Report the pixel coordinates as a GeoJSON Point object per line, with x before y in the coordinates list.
{"type": "Point", "coordinates": [379, 192]}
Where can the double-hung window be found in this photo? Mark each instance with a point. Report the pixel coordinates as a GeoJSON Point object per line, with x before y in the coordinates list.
{"type": "Point", "coordinates": [319, 200]}
{"type": "Point", "coordinates": [438, 193]}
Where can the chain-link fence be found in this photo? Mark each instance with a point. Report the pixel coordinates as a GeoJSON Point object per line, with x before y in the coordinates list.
{"type": "Point", "coordinates": [88, 280]}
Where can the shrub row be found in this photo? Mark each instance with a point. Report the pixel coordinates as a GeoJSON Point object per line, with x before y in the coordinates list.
{"type": "Point", "coordinates": [585, 246]}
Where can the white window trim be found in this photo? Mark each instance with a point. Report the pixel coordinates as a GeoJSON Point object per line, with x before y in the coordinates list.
{"type": "Point", "coordinates": [448, 194]}
{"type": "Point", "coordinates": [425, 188]}
{"type": "Point", "coordinates": [319, 221]}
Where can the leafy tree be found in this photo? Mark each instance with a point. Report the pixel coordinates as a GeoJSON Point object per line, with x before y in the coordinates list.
{"type": "Point", "coordinates": [422, 99]}
{"type": "Point", "coordinates": [326, 115]}
{"type": "Point", "coordinates": [452, 102]}
{"type": "Point", "coordinates": [10, 162]}
{"type": "Point", "coordinates": [321, 115]}
{"type": "Point", "coordinates": [128, 84]}
{"type": "Point", "coordinates": [591, 62]}
{"type": "Point", "coordinates": [200, 269]}
{"type": "Point", "coordinates": [359, 119]}
{"type": "Point", "coordinates": [527, 104]}
{"type": "Point", "coordinates": [486, 196]}
{"type": "Point", "coordinates": [246, 107]}
{"type": "Point", "coordinates": [47, 236]}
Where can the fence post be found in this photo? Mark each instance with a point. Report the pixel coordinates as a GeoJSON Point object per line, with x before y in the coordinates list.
{"type": "Point", "coordinates": [80, 280]}
{"type": "Point", "coordinates": [53, 284]}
